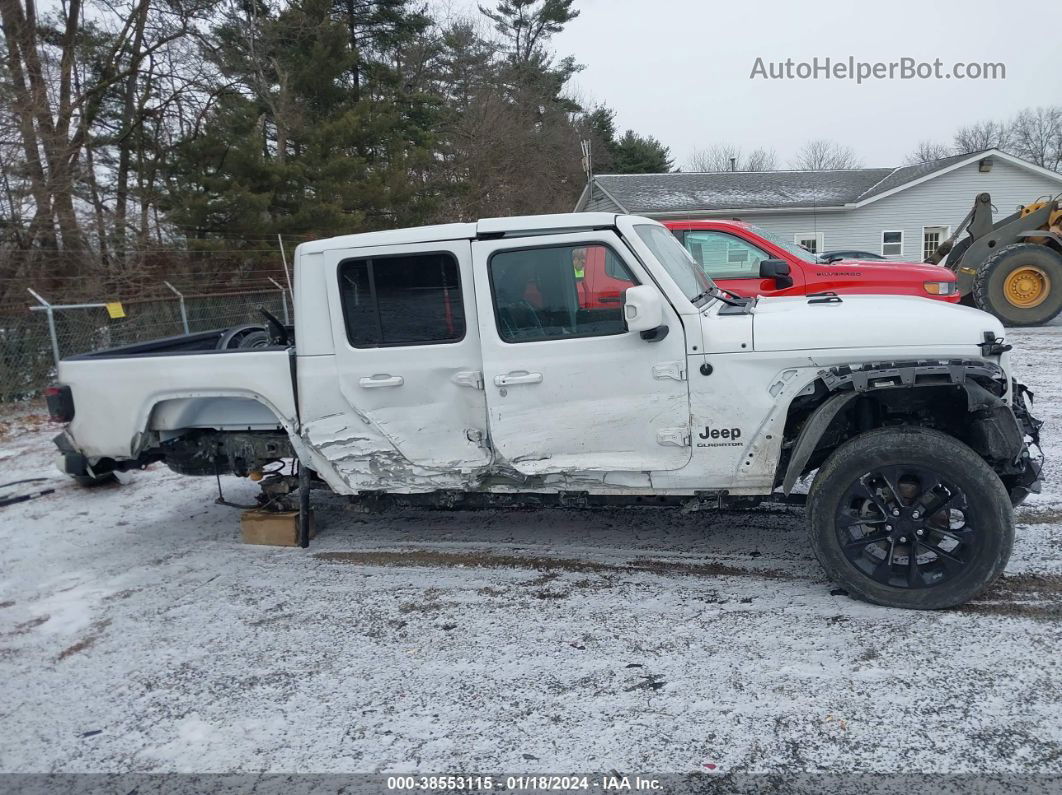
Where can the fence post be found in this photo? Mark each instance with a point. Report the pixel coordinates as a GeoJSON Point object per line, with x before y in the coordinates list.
{"type": "Point", "coordinates": [51, 324]}
{"type": "Point", "coordinates": [283, 299]}
{"type": "Point", "coordinates": [184, 312]}
{"type": "Point", "coordinates": [284, 259]}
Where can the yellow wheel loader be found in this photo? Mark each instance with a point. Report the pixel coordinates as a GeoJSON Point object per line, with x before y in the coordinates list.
{"type": "Point", "coordinates": [1013, 267]}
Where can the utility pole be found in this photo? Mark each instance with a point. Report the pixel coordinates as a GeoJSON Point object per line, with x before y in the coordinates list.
{"type": "Point", "coordinates": [588, 163]}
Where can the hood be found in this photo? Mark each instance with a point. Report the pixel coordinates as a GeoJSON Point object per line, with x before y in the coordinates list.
{"type": "Point", "coordinates": [935, 273]}
{"type": "Point", "coordinates": [867, 321]}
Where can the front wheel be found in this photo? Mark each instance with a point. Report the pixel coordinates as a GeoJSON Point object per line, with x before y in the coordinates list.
{"type": "Point", "coordinates": [910, 517]}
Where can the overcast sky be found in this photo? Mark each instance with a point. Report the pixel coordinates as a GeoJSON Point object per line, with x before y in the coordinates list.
{"type": "Point", "coordinates": [679, 69]}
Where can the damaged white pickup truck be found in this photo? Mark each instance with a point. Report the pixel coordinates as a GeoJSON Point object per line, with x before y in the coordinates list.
{"type": "Point", "coordinates": [586, 358]}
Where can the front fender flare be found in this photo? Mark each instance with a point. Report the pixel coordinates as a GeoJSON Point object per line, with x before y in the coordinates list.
{"type": "Point", "coordinates": [809, 436]}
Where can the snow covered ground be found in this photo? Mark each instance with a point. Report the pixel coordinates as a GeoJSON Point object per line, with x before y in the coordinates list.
{"type": "Point", "coordinates": [138, 634]}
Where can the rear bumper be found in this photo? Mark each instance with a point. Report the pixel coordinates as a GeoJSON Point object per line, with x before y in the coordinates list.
{"type": "Point", "coordinates": [72, 462]}
{"type": "Point", "coordinates": [76, 464]}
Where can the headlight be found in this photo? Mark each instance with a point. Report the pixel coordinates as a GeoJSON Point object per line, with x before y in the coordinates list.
{"type": "Point", "coordinates": [939, 288]}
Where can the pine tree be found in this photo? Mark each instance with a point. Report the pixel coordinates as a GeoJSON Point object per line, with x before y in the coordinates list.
{"type": "Point", "coordinates": [319, 136]}
{"type": "Point", "coordinates": [638, 154]}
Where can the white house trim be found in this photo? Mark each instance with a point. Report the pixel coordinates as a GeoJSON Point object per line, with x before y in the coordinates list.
{"type": "Point", "coordinates": [579, 205]}
{"type": "Point", "coordinates": [881, 249]}
{"type": "Point", "coordinates": [944, 235]}
{"type": "Point", "coordinates": [585, 196]}
{"type": "Point", "coordinates": [977, 156]}
{"type": "Point", "coordinates": [818, 237]}
{"type": "Point", "coordinates": [616, 201]}
{"type": "Point", "coordinates": [691, 215]}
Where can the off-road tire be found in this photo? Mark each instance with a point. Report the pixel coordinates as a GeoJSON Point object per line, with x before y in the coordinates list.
{"type": "Point", "coordinates": [988, 284]}
{"type": "Point", "coordinates": [983, 493]}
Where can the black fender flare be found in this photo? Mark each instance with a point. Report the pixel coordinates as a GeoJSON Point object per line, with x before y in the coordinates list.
{"type": "Point", "coordinates": [809, 436]}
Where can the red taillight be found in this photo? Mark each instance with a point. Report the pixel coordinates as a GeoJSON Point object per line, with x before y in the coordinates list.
{"type": "Point", "coordinates": [60, 402]}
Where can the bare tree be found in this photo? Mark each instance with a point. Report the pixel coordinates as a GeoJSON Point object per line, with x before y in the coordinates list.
{"type": "Point", "coordinates": [927, 151]}
{"type": "Point", "coordinates": [61, 96]}
{"type": "Point", "coordinates": [825, 155]}
{"type": "Point", "coordinates": [980, 136]}
{"type": "Point", "coordinates": [1036, 135]}
{"type": "Point", "coordinates": [761, 160]}
{"type": "Point", "coordinates": [729, 157]}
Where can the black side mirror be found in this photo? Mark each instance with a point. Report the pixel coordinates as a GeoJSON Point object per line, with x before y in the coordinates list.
{"type": "Point", "coordinates": [777, 269]}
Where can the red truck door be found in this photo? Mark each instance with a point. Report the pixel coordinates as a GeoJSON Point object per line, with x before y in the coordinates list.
{"type": "Point", "coordinates": [734, 263]}
{"type": "Point", "coordinates": [600, 277]}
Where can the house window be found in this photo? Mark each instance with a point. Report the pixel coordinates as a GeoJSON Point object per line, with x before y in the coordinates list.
{"type": "Point", "coordinates": [411, 299]}
{"type": "Point", "coordinates": [812, 241]}
{"type": "Point", "coordinates": [891, 244]}
{"type": "Point", "coordinates": [932, 236]}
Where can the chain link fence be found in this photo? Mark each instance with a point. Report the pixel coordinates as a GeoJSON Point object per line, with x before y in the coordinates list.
{"type": "Point", "coordinates": [27, 347]}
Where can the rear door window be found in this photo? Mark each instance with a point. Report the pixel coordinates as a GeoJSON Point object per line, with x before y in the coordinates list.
{"type": "Point", "coordinates": [410, 299]}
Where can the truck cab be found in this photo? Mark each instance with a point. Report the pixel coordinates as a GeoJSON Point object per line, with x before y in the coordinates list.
{"type": "Point", "coordinates": [587, 357]}
{"type": "Point", "coordinates": [749, 260]}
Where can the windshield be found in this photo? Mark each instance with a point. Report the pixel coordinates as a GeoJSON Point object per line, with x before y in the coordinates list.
{"type": "Point", "coordinates": [797, 251]}
{"type": "Point", "coordinates": [680, 266]}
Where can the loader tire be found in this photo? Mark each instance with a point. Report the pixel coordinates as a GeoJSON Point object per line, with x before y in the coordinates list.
{"type": "Point", "coordinates": [900, 490]}
{"type": "Point", "coordinates": [1021, 284]}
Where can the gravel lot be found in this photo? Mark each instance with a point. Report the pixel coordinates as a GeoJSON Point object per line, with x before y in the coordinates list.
{"type": "Point", "coordinates": [138, 634]}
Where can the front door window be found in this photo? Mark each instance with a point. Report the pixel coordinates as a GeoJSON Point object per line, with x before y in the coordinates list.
{"type": "Point", "coordinates": [558, 292]}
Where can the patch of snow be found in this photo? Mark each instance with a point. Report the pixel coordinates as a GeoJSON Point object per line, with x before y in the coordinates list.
{"type": "Point", "coordinates": [435, 641]}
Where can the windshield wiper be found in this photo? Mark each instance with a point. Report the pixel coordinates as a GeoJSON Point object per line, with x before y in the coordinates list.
{"type": "Point", "coordinates": [706, 294]}
{"type": "Point", "coordinates": [721, 295]}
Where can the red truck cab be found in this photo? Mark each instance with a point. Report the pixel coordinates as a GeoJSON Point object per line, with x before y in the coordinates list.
{"type": "Point", "coordinates": [748, 260]}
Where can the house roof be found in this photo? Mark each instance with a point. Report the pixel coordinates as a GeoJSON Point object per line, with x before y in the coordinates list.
{"type": "Point", "coordinates": [738, 190]}
{"type": "Point", "coordinates": [905, 174]}
{"type": "Point", "coordinates": [655, 194]}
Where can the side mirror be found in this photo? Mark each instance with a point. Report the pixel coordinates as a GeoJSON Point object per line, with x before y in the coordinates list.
{"type": "Point", "coordinates": [643, 308]}
{"type": "Point", "coordinates": [777, 269]}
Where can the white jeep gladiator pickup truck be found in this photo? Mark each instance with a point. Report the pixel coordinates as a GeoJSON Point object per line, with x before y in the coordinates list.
{"type": "Point", "coordinates": [482, 361]}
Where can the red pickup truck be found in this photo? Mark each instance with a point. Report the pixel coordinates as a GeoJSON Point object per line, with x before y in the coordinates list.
{"type": "Point", "coordinates": [748, 260]}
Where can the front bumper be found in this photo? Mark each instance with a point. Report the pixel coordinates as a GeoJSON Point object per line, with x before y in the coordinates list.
{"type": "Point", "coordinates": [1032, 456]}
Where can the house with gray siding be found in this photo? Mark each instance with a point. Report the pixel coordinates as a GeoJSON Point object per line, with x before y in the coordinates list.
{"type": "Point", "coordinates": [899, 213]}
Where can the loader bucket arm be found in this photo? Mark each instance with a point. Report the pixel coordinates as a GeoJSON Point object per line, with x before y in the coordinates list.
{"type": "Point", "coordinates": [978, 221]}
{"type": "Point", "coordinates": [992, 238]}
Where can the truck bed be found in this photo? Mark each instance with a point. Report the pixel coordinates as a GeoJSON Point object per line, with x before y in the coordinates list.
{"type": "Point", "coordinates": [201, 342]}
{"type": "Point", "coordinates": [169, 385]}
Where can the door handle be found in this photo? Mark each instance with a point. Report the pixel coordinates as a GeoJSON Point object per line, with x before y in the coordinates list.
{"type": "Point", "coordinates": [381, 380]}
{"type": "Point", "coordinates": [518, 377]}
